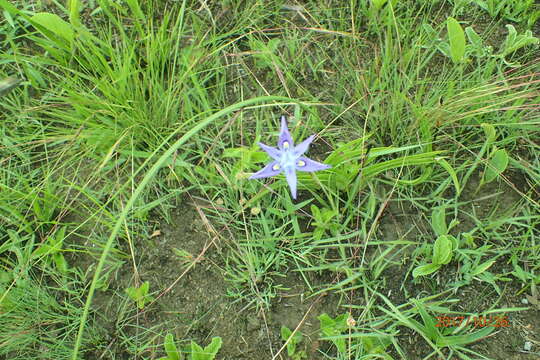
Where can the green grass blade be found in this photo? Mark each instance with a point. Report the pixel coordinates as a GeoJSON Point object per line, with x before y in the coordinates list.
{"type": "Point", "coordinates": [142, 185]}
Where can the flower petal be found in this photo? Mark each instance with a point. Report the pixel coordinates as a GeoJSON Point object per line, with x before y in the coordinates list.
{"type": "Point", "coordinates": [285, 140]}
{"type": "Point", "coordinates": [308, 165]}
{"type": "Point", "coordinates": [273, 152]}
{"type": "Point", "coordinates": [303, 146]}
{"type": "Point", "coordinates": [290, 175]}
{"type": "Point", "coordinates": [271, 169]}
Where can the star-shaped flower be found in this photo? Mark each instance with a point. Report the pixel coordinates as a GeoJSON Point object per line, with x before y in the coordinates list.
{"type": "Point", "coordinates": [288, 158]}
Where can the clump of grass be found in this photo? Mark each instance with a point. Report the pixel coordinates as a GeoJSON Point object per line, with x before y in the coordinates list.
{"type": "Point", "coordinates": [35, 321]}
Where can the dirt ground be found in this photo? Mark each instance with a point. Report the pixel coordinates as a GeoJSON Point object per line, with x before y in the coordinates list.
{"type": "Point", "coordinates": [195, 303]}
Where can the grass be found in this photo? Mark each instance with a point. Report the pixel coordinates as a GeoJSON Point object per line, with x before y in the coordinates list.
{"type": "Point", "coordinates": [143, 108]}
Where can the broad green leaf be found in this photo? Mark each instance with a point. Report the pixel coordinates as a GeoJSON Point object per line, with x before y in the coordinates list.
{"type": "Point", "coordinates": [140, 294]}
{"type": "Point", "coordinates": [213, 347]}
{"type": "Point", "coordinates": [490, 132]}
{"type": "Point", "coordinates": [132, 293]}
{"type": "Point", "coordinates": [258, 156]}
{"type": "Point", "coordinates": [234, 152]}
{"type": "Point", "coordinates": [514, 41]}
{"type": "Point", "coordinates": [54, 25]}
{"type": "Point", "coordinates": [442, 250]}
{"type": "Point", "coordinates": [53, 244]}
{"type": "Point", "coordinates": [328, 214]}
{"type": "Point", "coordinates": [496, 165]}
{"type": "Point", "coordinates": [11, 9]}
{"type": "Point", "coordinates": [334, 327]}
{"type": "Point", "coordinates": [208, 353]}
{"type": "Point", "coordinates": [468, 239]}
{"type": "Point", "coordinates": [430, 31]}
{"type": "Point", "coordinates": [145, 287]}
{"type": "Point", "coordinates": [378, 4]}
{"type": "Point", "coordinates": [430, 327]}
{"type": "Point", "coordinates": [482, 267]}
{"type": "Point", "coordinates": [74, 7]}
{"type": "Point", "coordinates": [197, 352]}
{"type": "Point", "coordinates": [286, 333]}
{"type": "Point", "coordinates": [61, 263]}
{"type": "Point", "coordinates": [44, 249]}
{"type": "Point", "coordinates": [438, 221]}
{"type": "Point", "coordinates": [474, 38]}
{"type": "Point", "coordinates": [460, 340]}
{"type": "Point", "coordinates": [427, 269]}
{"type": "Point", "coordinates": [170, 348]}
{"type": "Point", "coordinates": [60, 235]}
{"type": "Point", "coordinates": [326, 322]}
{"type": "Point", "coordinates": [454, 241]}
{"type": "Point", "coordinates": [444, 47]}
{"type": "Point", "coordinates": [316, 212]}
{"type": "Point", "coordinates": [456, 37]}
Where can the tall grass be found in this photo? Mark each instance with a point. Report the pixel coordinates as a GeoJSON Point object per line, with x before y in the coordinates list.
{"type": "Point", "coordinates": [121, 112]}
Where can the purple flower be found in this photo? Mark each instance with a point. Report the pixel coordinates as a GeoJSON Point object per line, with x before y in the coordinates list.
{"type": "Point", "coordinates": [288, 158]}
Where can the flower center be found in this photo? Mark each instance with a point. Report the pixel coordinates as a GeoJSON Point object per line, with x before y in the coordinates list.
{"type": "Point", "coordinates": [301, 163]}
{"type": "Point", "coordinates": [276, 167]}
{"type": "Point", "coordinates": [288, 159]}
{"type": "Point", "coordinates": [286, 145]}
